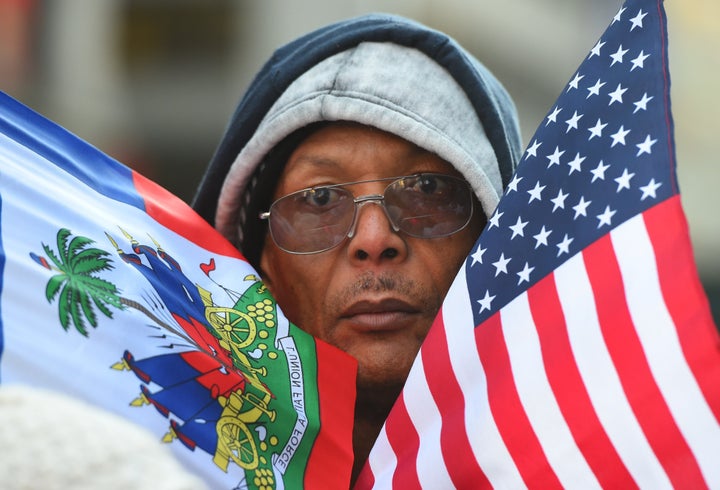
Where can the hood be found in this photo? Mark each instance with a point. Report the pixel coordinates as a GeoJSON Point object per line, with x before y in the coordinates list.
{"type": "Point", "coordinates": [381, 70]}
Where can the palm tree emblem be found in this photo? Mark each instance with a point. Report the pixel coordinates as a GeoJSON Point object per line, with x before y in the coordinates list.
{"type": "Point", "coordinates": [76, 286]}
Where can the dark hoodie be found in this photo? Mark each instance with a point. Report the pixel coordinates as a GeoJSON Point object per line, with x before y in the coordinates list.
{"type": "Point", "coordinates": [381, 70]}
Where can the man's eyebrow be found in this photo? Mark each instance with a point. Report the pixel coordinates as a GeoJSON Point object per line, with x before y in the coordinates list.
{"type": "Point", "coordinates": [316, 160]}
{"type": "Point", "coordinates": [313, 164]}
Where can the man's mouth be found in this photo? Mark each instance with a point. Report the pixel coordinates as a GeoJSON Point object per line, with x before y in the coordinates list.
{"type": "Point", "coordinates": [379, 316]}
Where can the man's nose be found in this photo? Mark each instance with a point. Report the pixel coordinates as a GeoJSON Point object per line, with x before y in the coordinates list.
{"type": "Point", "coordinates": [373, 237]}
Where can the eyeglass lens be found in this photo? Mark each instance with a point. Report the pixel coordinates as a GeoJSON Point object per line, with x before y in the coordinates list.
{"type": "Point", "coordinates": [318, 219]}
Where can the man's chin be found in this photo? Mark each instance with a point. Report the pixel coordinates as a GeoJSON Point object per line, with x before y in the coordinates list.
{"type": "Point", "coordinates": [383, 366]}
{"type": "Point", "coordinates": [378, 387]}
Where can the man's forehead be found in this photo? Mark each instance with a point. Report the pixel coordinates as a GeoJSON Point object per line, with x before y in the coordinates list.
{"type": "Point", "coordinates": [349, 148]}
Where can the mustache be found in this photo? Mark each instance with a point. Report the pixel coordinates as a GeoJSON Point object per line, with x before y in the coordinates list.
{"type": "Point", "coordinates": [379, 283]}
{"type": "Point", "coordinates": [388, 282]}
{"type": "Point", "coordinates": [372, 282]}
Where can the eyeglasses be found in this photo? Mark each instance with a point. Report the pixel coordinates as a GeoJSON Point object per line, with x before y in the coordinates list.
{"type": "Point", "coordinates": [319, 218]}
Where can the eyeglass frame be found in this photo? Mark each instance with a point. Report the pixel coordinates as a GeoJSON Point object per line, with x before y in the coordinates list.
{"type": "Point", "coordinates": [379, 199]}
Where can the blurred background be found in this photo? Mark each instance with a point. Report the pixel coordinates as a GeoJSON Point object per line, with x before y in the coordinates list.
{"type": "Point", "coordinates": [153, 82]}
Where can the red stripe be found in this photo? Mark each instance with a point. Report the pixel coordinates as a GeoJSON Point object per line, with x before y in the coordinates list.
{"type": "Point", "coordinates": [457, 453]}
{"type": "Point", "coordinates": [507, 409]}
{"type": "Point", "coordinates": [628, 355]}
{"type": "Point", "coordinates": [330, 462]}
{"type": "Point", "coordinates": [569, 389]}
{"type": "Point", "coordinates": [404, 441]}
{"type": "Point", "coordinates": [366, 479]}
{"type": "Point", "coordinates": [685, 297]}
{"type": "Point", "coordinates": [174, 214]}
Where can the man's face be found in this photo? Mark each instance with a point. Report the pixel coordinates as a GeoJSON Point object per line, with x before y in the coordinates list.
{"type": "Point", "coordinates": [376, 294]}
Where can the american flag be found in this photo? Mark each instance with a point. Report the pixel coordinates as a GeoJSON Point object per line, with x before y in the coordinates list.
{"type": "Point", "coordinates": [576, 347]}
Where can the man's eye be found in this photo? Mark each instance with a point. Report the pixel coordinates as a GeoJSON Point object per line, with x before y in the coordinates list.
{"type": "Point", "coordinates": [320, 197]}
{"type": "Point", "coordinates": [428, 185]}
{"type": "Point", "coordinates": [431, 185]}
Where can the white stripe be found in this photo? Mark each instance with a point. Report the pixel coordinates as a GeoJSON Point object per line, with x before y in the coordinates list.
{"type": "Point", "coordinates": [537, 397]}
{"type": "Point", "coordinates": [382, 461]}
{"type": "Point", "coordinates": [600, 377]}
{"type": "Point", "coordinates": [488, 447]}
{"type": "Point", "coordinates": [659, 338]}
{"type": "Point", "coordinates": [427, 420]}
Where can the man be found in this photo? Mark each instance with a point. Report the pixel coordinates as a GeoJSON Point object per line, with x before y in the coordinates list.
{"type": "Point", "coordinates": [375, 150]}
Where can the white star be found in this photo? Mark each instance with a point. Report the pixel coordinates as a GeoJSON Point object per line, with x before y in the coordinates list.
{"type": "Point", "coordinates": [501, 265]}
{"type": "Point", "coordinates": [637, 21]}
{"type": "Point", "coordinates": [478, 256]}
{"type": "Point", "coordinates": [599, 171]}
{"type": "Point", "coordinates": [553, 117]}
{"type": "Point", "coordinates": [581, 207]}
{"type": "Point", "coordinates": [512, 186]}
{"type": "Point", "coordinates": [617, 95]}
{"type": "Point", "coordinates": [595, 89]}
{"type": "Point", "coordinates": [575, 164]}
{"type": "Point", "coordinates": [564, 246]}
{"type": "Point", "coordinates": [639, 61]}
{"type": "Point", "coordinates": [606, 216]}
{"type": "Point", "coordinates": [575, 81]}
{"type": "Point", "coordinates": [617, 56]}
{"type": "Point", "coordinates": [535, 192]}
{"type": "Point", "coordinates": [559, 201]}
{"type": "Point", "coordinates": [495, 220]}
{"type": "Point", "coordinates": [618, 15]}
{"type": "Point", "coordinates": [595, 51]}
{"type": "Point", "coordinates": [649, 190]}
{"type": "Point", "coordinates": [624, 180]}
{"type": "Point", "coordinates": [518, 228]}
{"type": "Point", "coordinates": [573, 121]}
{"type": "Point", "coordinates": [485, 302]}
{"type": "Point", "coordinates": [619, 137]}
{"type": "Point", "coordinates": [555, 157]}
{"type": "Point", "coordinates": [645, 146]}
{"type": "Point", "coordinates": [541, 238]}
{"type": "Point", "coordinates": [642, 103]}
{"type": "Point", "coordinates": [524, 274]}
{"type": "Point", "coordinates": [532, 150]}
{"type": "Point", "coordinates": [597, 130]}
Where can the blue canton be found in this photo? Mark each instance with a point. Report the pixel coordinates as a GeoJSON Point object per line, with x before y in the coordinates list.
{"type": "Point", "coordinates": [603, 154]}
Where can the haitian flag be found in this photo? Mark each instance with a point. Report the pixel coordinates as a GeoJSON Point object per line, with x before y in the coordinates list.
{"type": "Point", "coordinates": [576, 348]}
{"type": "Point", "coordinates": [115, 292]}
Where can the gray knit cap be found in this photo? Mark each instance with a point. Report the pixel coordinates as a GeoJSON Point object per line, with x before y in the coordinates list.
{"type": "Point", "coordinates": [394, 88]}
